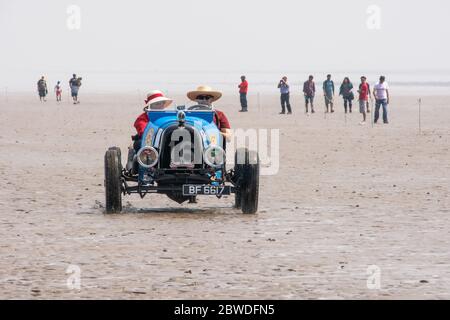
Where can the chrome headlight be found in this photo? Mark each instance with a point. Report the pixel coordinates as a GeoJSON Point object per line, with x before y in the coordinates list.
{"type": "Point", "coordinates": [147, 157]}
{"type": "Point", "coordinates": [214, 156]}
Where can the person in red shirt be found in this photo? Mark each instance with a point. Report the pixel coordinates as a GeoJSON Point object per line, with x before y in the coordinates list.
{"type": "Point", "coordinates": [243, 89]}
{"type": "Point", "coordinates": [204, 95]}
{"type": "Point", "coordinates": [364, 93]}
{"type": "Point", "coordinates": [155, 101]}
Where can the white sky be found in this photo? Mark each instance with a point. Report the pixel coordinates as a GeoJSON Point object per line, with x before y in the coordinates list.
{"type": "Point", "coordinates": [241, 36]}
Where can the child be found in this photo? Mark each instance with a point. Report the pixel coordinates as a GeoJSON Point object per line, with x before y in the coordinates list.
{"type": "Point", "coordinates": [58, 91]}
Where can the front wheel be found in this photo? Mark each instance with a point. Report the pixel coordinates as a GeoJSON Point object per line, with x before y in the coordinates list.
{"type": "Point", "coordinates": [113, 190]}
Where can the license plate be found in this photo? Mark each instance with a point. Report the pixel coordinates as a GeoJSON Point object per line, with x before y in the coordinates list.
{"type": "Point", "coordinates": [205, 189]}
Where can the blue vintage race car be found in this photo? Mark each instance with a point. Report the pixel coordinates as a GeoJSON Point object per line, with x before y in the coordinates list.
{"type": "Point", "coordinates": [182, 154]}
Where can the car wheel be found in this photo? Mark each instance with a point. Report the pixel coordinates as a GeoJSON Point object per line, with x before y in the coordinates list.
{"type": "Point", "coordinates": [238, 171]}
{"type": "Point", "coordinates": [249, 186]}
{"type": "Point", "coordinates": [113, 190]}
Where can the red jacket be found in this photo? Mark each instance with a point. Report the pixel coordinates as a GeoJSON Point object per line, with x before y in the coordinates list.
{"type": "Point", "coordinates": [142, 121]}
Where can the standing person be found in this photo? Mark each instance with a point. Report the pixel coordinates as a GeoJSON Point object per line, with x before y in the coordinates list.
{"type": "Point", "coordinates": [74, 85]}
{"type": "Point", "coordinates": [347, 93]}
{"type": "Point", "coordinates": [328, 92]}
{"type": "Point", "coordinates": [364, 93]}
{"type": "Point", "coordinates": [309, 90]}
{"type": "Point", "coordinates": [42, 88]}
{"type": "Point", "coordinates": [243, 89]}
{"type": "Point", "coordinates": [381, 94]}
{"type": "Point", "coordinates": [283, 85]}
{"type": "Point", "coordinates": [370, 97]}
{"type": "Point", "coordinates": [58, 91]}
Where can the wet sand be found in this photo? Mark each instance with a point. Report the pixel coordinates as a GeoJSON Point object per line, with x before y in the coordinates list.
{"type": "Point", "coordinates": [346, 197]}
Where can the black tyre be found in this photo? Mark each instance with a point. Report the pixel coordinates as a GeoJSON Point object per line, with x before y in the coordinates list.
{"type": "Point", "coordinates": [238, 171]}
{"type": "Point", "coordinates": [249, 186]}
{"type": "Point", "coordinates": [113, 189]}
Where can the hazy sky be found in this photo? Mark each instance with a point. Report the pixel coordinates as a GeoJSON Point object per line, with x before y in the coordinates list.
{"type": "Point", "coordinates": [209, 35]}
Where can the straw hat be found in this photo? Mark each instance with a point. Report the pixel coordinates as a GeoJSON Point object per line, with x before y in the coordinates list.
{"type": "Point", "coordinates": [157, 96]}
{"type": "Point", "coordinates": [204, 90]}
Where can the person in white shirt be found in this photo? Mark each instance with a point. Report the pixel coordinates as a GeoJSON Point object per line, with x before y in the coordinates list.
{"type": "Point", "coordinates": [381, 94]}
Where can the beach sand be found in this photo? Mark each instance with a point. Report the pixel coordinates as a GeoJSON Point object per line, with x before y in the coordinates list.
{"type": "Point", "coordinates": [346, 197]}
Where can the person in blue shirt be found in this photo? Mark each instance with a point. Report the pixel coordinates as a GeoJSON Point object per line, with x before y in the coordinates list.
{"type": "Point", "coordinates": [284, 91]}
{"type": "Point", "coordinates": [328, 92]}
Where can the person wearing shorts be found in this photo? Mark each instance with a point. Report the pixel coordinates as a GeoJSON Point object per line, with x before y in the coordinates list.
{"type": "Point", "coordinates": [74, 85]}
{"type": "Point", "coordinates": [58, 91]}
{"type": "Point", "coordinates": [364, 93]}
{"type": "Point", "coordinates": [309, 91]}
{"type": "Point", "coordinates": [42, 89]}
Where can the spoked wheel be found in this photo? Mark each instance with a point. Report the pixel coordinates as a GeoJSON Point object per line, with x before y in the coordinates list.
{"type": "Point", "coordinates": [113, 190]}
{"type": "Point", "coordinates": [247, 170]}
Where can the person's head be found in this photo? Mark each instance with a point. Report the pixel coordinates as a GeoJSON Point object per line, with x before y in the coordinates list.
{"type": "Point", "coordinates": [242, 78]}
{"type": "Point", "coordinates": [346, 80]}
{"type": "Point", "coordinates": [42, 78]}
{"type": "Point", "coordinates": [74, 75]}
{"type": "Point", "coordinates": [328, 76]}
{"type": "Point", "coordinates": [156, 101]}
{"type": "Point", "coordinates": [310, 78]}
{"type": "Point", "coordinates": [284, 78]}
{"type": "Point", "coordinates": [204, 95]}
{"type": "Point", "coordinates": [363, 79]}
{"type": "Point", "coordinates": [382, 79]}
{"type": "Point", "coordinates": [58, 82]}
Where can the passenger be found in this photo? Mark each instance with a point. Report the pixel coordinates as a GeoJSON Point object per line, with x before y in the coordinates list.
{"type": "Point", "coordinates": [155, 101]}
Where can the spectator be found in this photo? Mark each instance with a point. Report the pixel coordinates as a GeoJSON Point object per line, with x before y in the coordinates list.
{"type": "Point", "coordinates": [74, 85]}
{"type": "Point", "coordinates": [309, 90]}
{"type": "Point", "coordinates": [284, 90]}
{"type": "Point", "coordinates": [347, 93]}
{"type": "Point", "coordinates": [58, 91]}
{"type": "Point", "coordinates": [328, 92]}
{"type": "Point", "coordinates": [42, 89]}
{"type": "Point", "coordinates": [364, 93]}
{"type": "Point", "coordinates": [381, 94]}
{"type": "Point", "coordinates": [367, 101]}
{"type": "Point", "coordinates": [243, 89]}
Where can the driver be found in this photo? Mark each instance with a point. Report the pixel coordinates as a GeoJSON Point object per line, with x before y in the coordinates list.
{"type": "Point", "coordinates": [204, 95]}
{"type": "Point", "coordinates": [155, 101]}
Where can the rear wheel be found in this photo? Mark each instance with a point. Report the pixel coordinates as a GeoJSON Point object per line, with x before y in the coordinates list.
{"type": "Point", "coordinates": [113, 190]}
{"type": "Point", "coordinates": [248, 169]}
{"type": "Point", "coordinates": [238, 169]}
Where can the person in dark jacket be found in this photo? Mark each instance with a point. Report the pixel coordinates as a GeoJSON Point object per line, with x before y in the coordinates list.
{"type": "Point", "coordinates": [347, 94]}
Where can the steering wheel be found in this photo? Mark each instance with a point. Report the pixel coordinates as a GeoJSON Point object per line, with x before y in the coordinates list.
{"type": "Point", "coordinates": [200, 107]}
